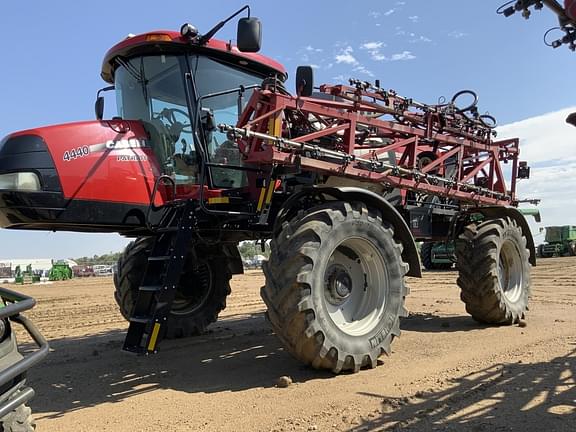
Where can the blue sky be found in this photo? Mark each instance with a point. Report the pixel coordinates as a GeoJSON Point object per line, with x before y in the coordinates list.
{"type": "Point", "coordinates": [52, 52]}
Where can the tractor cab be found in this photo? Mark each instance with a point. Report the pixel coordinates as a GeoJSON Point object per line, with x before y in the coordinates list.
{"type": "Point", "coordinates": [180, 86]}
{"type": "Point", "coordinates": [180, 120]}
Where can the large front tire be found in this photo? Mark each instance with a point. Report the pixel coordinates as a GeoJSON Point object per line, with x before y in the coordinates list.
{"type": "Point", "coordinates": [200, 295]}
{"type": "Point", "coordinates": [494, 271]}
{"type": "Point", "coordinates": [335, 286]}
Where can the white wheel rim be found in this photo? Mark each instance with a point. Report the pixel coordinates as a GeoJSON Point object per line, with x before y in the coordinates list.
{"type": "Point", "coordinates": [510, 275]}
{"type": "Point", "coordinates": [356, 286]}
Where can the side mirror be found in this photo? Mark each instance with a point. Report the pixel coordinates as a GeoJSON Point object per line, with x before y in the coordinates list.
{"type": "Point", "coordinates": [523, 170]}
{"type": "Point", "coordinates": [571, 119]}
{"type": "Point", "coordinates": [304, 81]}
{"type": "Point", "coordinates": [249, 35]}
{"type": "Point", "coordinates": [99, 104]}
{"type": "Point", "coordinates": [99, 107]}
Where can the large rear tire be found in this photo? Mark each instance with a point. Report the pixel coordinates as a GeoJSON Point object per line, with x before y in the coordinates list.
{"type": "Point", "coordinates": [200, 296]}
{"type": "Point", "coordinates": [494, 271]}
{"type": "Point", "coordinates": [335, 286]}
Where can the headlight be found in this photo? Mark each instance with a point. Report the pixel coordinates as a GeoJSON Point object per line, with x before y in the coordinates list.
{"type": "Point", "coordinates": [21, 181]}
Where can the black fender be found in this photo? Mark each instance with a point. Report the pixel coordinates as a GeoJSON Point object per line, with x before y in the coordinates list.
{"type": "Point", "coordinates": [389, 213]}
{"type": "Point", "coordinates": [514, 214]}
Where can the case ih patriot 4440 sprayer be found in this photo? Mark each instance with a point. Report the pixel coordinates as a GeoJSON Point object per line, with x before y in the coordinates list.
{"type": "Point", "coordinates": [209, 149]}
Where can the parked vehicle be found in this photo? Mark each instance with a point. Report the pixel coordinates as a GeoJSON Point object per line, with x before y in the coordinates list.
{"type": "Point", "coordinates": [210, 149]}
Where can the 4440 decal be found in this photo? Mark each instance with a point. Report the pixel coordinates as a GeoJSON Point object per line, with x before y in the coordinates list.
{"type": "Point", "coordinates": [76, 153]}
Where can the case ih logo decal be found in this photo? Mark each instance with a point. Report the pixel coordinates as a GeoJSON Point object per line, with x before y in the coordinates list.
{"type": "Point", "coordinates": [122, 144]}
{"type": "Point", "coordinates": [125, 144]}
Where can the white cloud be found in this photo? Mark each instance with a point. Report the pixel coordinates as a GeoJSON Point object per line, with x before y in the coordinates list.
{"type": "Point", "coordinates": [374, 14]}
{"type": "Point", "coordinates": [345, 56]}
{"type": "Point", "coordinates": [374, 49]}
{"type": "Point", "coordinates": [548, 144]}
{"type": "Point", "coordinates": [310, 53]}
{"type": "Point", "coordinates": [389, 12]}
{"type": "Point", "coordinates": [400, 3]}
{"type": "Point", "coordinates": [376, 56]}
{"type": "Point", "coordinates": [363, 70]}
{"type": "Point", "coordinates": [420, 38]}
{"type": "Point", "coordinates": [312, 49]}
{"type": "Point", "coordinates": [414, 18]}
{"type": "Point", "coordinates": [405, 55]}
{"type": "Point", "coordinates": [372, 45]}
{"type": "Point", "coordinates": [544, 138]}
{"type": "Point", "coordinates": [457, 34]}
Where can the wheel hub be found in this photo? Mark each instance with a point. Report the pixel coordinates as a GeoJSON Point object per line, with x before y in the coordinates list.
{"type": "Point", "coordinates": [339, 284]}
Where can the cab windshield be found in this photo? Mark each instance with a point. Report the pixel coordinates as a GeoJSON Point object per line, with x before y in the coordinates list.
{"type": "Point", "coordinates": [152, 89]}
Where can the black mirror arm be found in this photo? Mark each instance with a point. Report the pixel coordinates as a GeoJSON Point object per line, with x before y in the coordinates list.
{"type": "Point", "coordinates": [205, 38]}
{"type": "Point", "coordinates": [104, 89]}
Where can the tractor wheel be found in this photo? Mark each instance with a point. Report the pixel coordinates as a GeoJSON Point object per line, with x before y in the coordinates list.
{"type": "Point", "coordinates": [335, 286]}
{"type": "Point", "coordinates": [494, 271]}
{"type": "Point", "coordinates": [426, 256]}
{"type": "Point", "coordinates": [200, 295]}
{"type": "Point", "coordinates": [428, 262]}
{"type": "Point", "coordinates": [19, 420]}
{"type": "Point", "coordinates": [542, 253]}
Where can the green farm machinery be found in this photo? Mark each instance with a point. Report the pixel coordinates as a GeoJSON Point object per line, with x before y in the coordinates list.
{"type": "Point", "coordinates": [60, 271]}
{"type": "Point", "coordinates": [27, 276]}
{"type": "Point", "coordinates": [560, 241]}
{"type": "Point", "coordinates": [438, 255]}
{"type": "Point", "coordinates": [441, 255]}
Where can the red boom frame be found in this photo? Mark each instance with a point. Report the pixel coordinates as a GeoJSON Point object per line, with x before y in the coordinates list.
{"type": "Point", "coordinates": [354, 132]}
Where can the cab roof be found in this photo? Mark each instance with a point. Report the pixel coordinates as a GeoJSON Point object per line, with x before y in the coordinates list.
{"type": "Point", "coordinates": [164, 41]}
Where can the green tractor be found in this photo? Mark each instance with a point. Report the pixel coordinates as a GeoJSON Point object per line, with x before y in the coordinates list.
{"type": "Point", "coordinates": [27, 276]}
{"type": "Point", "coordinates": [560, 241]}
{"type": "Point", "coordinates": [60, 271]}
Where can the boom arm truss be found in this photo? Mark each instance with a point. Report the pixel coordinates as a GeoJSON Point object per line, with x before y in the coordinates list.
{"type": "Point", "coordinates": [366, 133]}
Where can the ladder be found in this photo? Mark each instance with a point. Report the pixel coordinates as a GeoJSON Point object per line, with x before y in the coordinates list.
{"type": "Point", "coordinates": [158, 288]}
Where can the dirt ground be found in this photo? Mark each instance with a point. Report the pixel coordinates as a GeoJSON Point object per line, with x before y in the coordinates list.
{"type": "Point", "coordinates": [446, 372]}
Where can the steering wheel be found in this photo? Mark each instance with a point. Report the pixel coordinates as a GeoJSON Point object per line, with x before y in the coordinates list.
{"type": "Point", "coordinates": [168, 114]}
